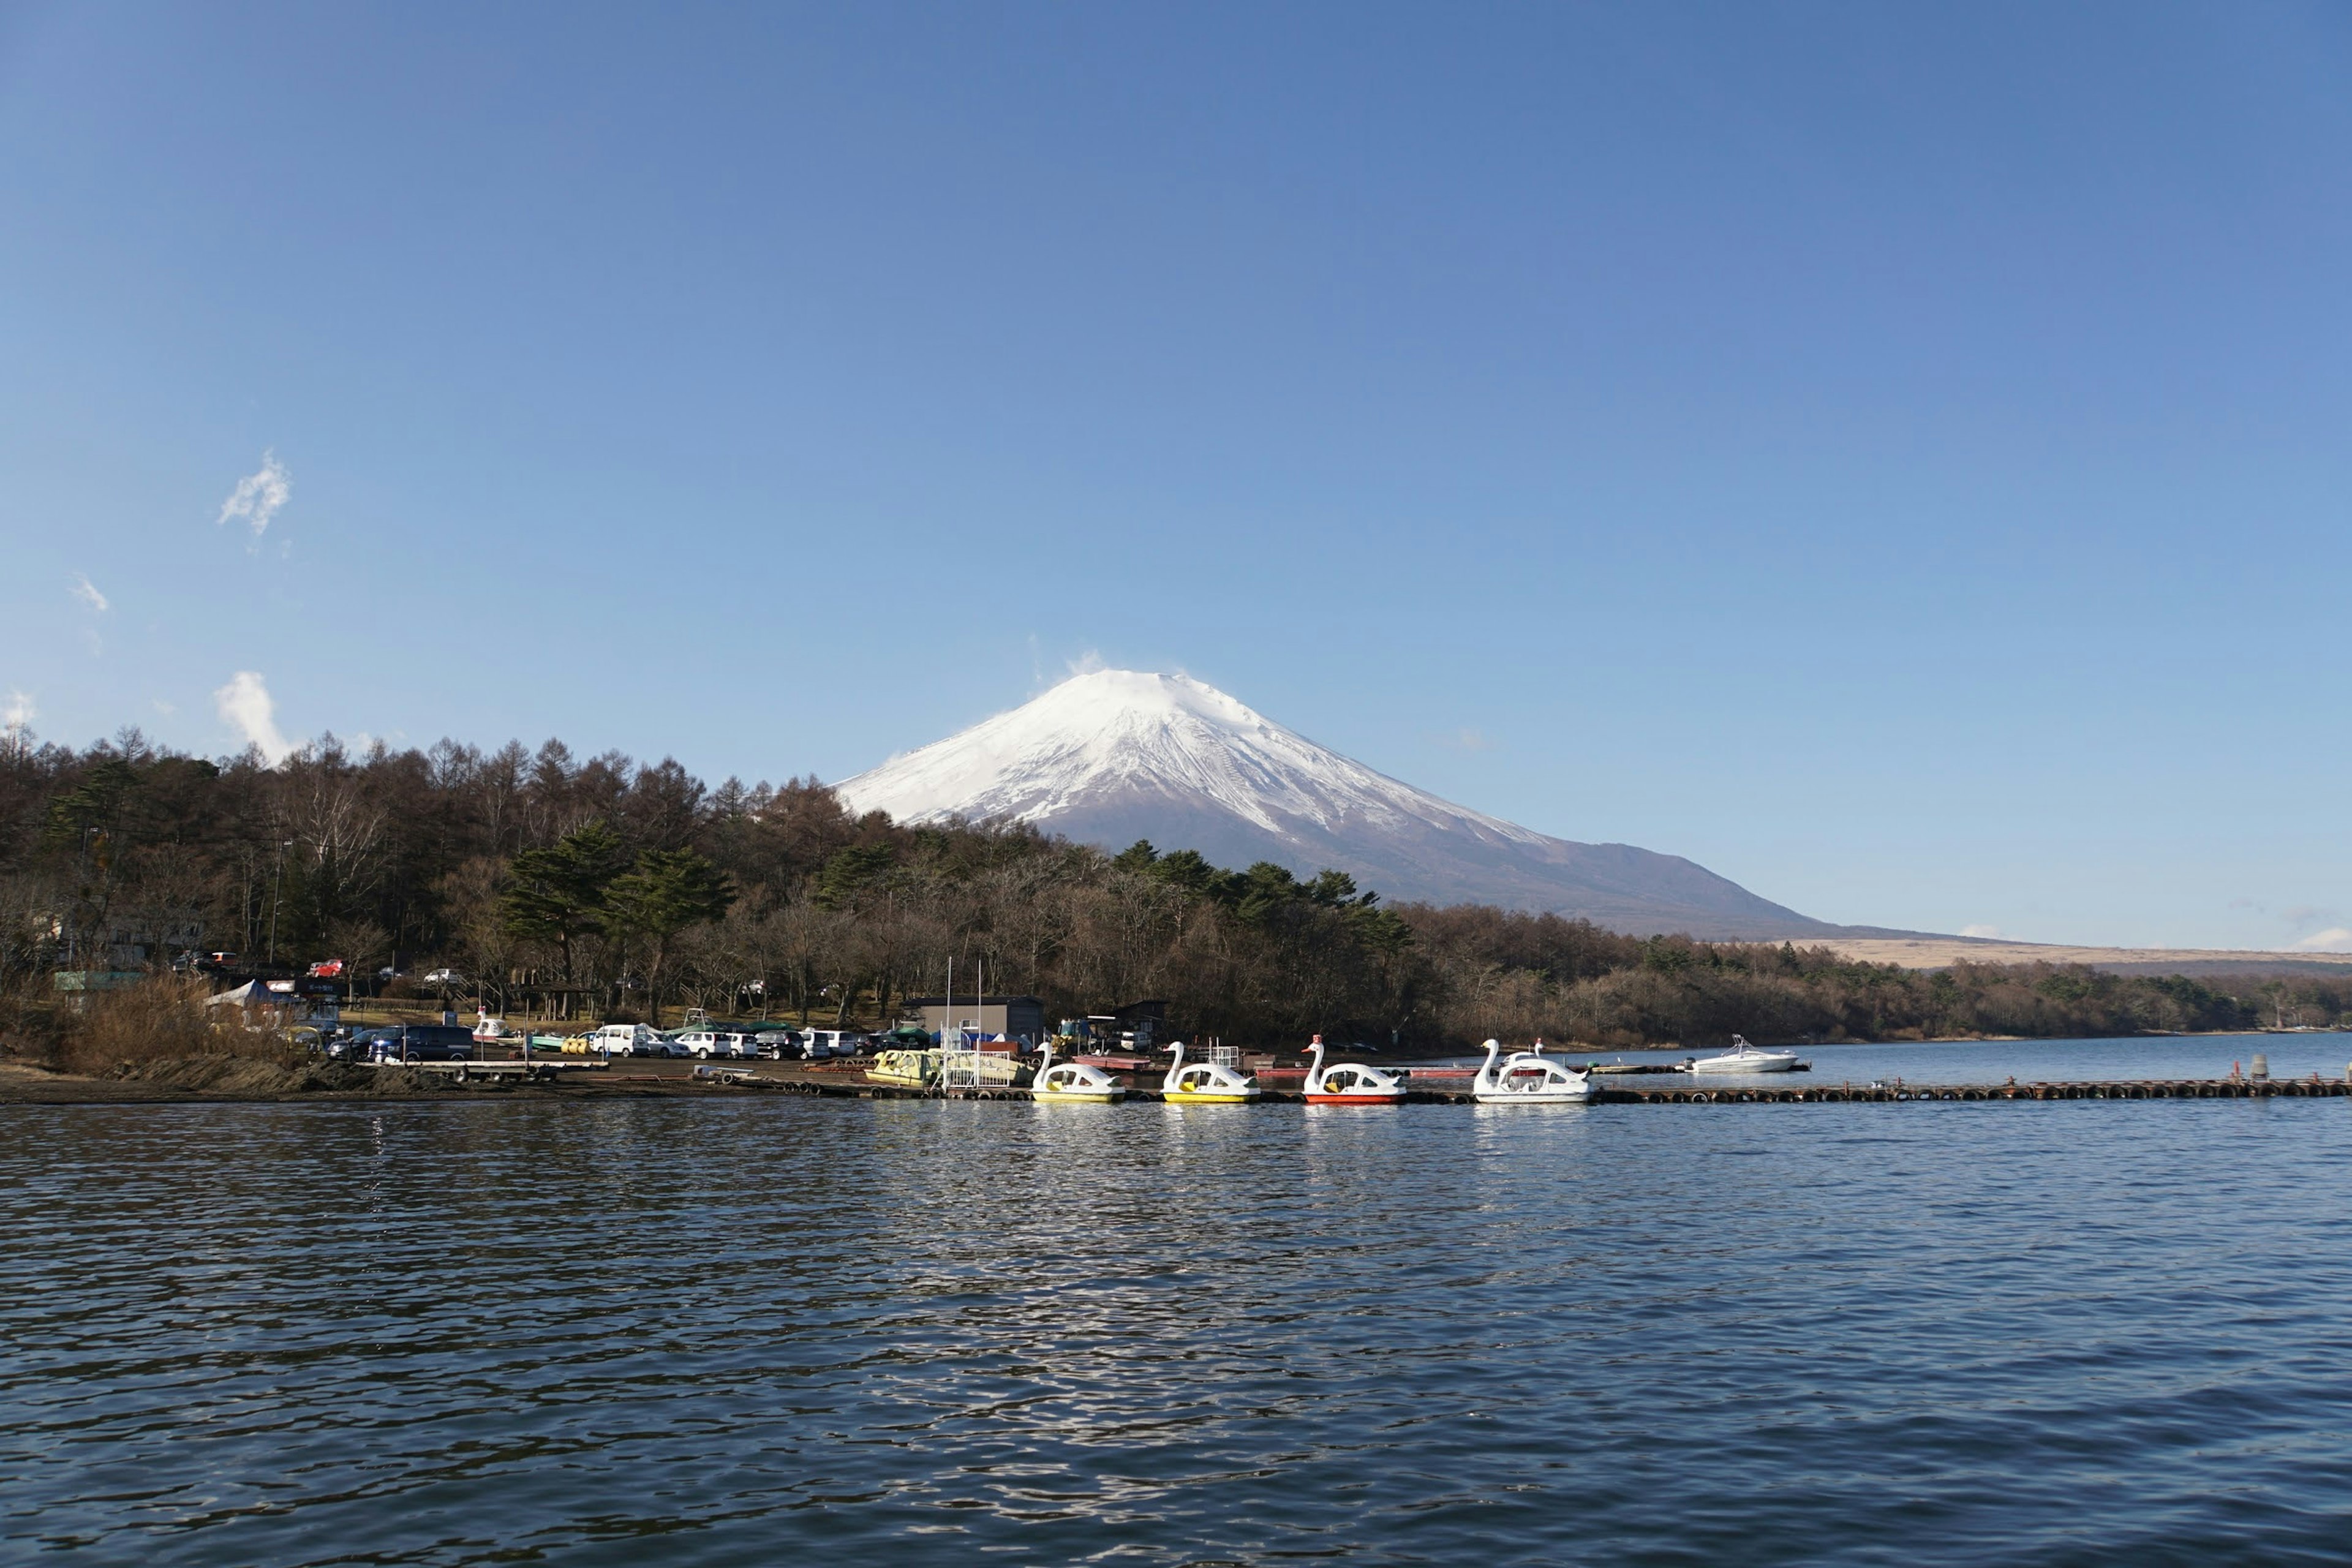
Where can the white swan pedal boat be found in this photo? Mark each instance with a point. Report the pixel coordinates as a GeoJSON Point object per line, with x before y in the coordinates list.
{"type": "Point", "coordinates": [1529, 1078]}
{"type": "Point", "coordinates": [1074, 1082]}
{"type": "Point", "coordinates": [1745, 1057]}
{"type": "Point", "coordinates": [1349, 1083]}
{"type": "Point", "coordinates": [1210, 1082]}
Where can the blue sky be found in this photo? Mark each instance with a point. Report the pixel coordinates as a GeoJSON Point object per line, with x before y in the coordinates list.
{"type": "Point", "coordinates": [1896, 456]}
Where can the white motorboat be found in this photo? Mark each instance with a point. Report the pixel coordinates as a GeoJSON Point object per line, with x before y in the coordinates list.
{"type": "Point", "coordinates": [1073, 1080]}
{"type": "Point", "coordinates": [1528, 1078]}
{"type": "Point", "coordinates": [1745, 1057]}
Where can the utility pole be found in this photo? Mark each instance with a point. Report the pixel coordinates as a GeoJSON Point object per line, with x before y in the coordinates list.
{"type": "Point", "coordinates": [277, 897]}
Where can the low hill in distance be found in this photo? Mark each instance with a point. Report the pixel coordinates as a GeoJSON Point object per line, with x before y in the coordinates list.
{"type": "Point", "coordinates": [1914, 951]}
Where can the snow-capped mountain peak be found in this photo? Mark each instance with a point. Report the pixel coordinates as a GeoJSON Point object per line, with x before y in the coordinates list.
{"type": "Point", "coordinates": [1124, 732]}
{"type": "Point", "coordinates": [1117, 755]}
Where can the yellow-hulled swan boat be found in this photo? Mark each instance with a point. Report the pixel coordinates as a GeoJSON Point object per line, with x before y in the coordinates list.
{"type": "Point", "coordinates": [1205, 1083]}
{"type": "Point", "coordinates": [1073, 1081]}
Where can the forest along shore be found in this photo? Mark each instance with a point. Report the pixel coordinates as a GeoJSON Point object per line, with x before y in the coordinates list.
{"type": "Point", "coordinates": [543, 884]}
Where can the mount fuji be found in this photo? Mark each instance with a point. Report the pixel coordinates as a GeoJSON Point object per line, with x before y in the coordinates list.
{"type": "Point", "coordinates": [1115, 755]}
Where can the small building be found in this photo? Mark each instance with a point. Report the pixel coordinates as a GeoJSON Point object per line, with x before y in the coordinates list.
{"type": "Point", "coordinates": [1014, 1018]}
{"type": "Point", "coordinates": [1151, 1016]}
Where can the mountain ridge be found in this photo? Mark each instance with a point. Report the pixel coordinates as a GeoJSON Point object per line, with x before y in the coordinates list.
{"type": "Point", "coordinates": [1112, 756]}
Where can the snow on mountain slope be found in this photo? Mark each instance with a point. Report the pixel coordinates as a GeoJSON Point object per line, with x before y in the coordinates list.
{"type": "Point", "coordinates": [1117, 729]}
{"type": "Point", "coordinates": [1117, 755]}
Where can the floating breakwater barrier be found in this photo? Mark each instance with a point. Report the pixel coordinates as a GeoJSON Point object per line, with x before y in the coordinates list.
{"type": "Point", "coordinates": [1877, 1093]}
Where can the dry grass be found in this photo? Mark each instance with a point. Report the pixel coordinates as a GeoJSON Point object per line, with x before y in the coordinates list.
{"type": "Point", "coordinates": [161, 1020]}
{"type": "Point", "coordinates": [1939, 952]}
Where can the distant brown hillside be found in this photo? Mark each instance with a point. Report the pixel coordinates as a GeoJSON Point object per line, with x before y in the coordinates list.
{"type": "Point", "coordinates": [1939, 952]}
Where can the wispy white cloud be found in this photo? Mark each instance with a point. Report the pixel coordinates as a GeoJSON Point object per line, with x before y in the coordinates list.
{"type": "Point", "coordinates": [19, 713]}
{"type": "Point", "coordinates": [2335, 939]}
{"type": "Point", "coordinates": [88, 593]}
{"type": "Point", "coordinates": [1987, 931]}
{"type": "Point", "coordinates": [1467, 739]}
{"type": "Point", "coordinates": [258, 496]}
{"type": "Point", "coordinates": [1086, 663]}
{"type": "Point", "coordinates": [246, 707]}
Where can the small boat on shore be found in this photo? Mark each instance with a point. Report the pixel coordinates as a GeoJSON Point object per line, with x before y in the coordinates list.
{"type": "Point", "coordinates": [1745, 1057]}
{"type": "Point", "coordinates": [1211, 1083]}
{"type": "Point", "coordinates": [1073, 1081]}
{"type": "Point", "coordinates": [906, 1068]}
{"type": "Point", "coordinates": [1529, 1078]}
{"type": "Point", "coordinates": [1349, 1083]}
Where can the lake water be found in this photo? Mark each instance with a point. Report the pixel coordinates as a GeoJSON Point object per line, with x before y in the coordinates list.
{"type": "Point", "coordinates": [776, 1330]}
{"type": "Point", "coordinates": [1992, 1061]}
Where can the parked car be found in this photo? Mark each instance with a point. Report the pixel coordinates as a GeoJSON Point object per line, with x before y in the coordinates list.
{"type": "Point", "coordinates": [444, 977]}
{"type": "Point", "coordinates": [778, 1044]}
{"type": "Point", "coordinates": [632, 1040]}
{"type": "Point", "coordinates": [344, 1042]}
{"type": "Point", "coordinates": [824, 1043]}
{"type": "Point", "coordinates": [416, 1043]}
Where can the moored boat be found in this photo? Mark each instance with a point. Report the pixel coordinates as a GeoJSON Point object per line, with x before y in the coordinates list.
{"type": "Point", "coordinates": [1529, 1078]}
{"type": "Point", "coordinates": [1745, 1057]}
{"type": "Point", "coordinates": [1211, 1083]}
{"type": "Point", "coordinates": [1349, 1083]}
{"type": "Point", "coordinates": [1073, 1081]}
{"type": "Point", "coordinates": [906, 1068]}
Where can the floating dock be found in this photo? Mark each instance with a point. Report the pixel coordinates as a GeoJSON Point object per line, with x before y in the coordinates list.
{"type": "Point", "coordinates": [1722, 1094]}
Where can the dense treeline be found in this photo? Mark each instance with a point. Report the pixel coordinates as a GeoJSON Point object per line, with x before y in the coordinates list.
{"type": "Point", "coordinates": [602, 886]}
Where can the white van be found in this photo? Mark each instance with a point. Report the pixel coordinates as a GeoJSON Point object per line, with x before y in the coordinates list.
{"type": "Point", "coordinates": [631, 1041]}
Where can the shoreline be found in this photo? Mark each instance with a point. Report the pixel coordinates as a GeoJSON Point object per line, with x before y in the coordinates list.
{"type": "Point", "coordinates": [22, 1084]}
{"type": "Point", "coordinates": [230, 1080]}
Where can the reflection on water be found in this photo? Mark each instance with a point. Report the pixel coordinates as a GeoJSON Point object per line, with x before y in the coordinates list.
{"type": "Point", "coordinates": [750, 1332]}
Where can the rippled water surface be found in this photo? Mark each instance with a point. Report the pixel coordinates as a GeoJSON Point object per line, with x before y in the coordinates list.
{"type": "Point", "coordinates": [769, 1330]}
